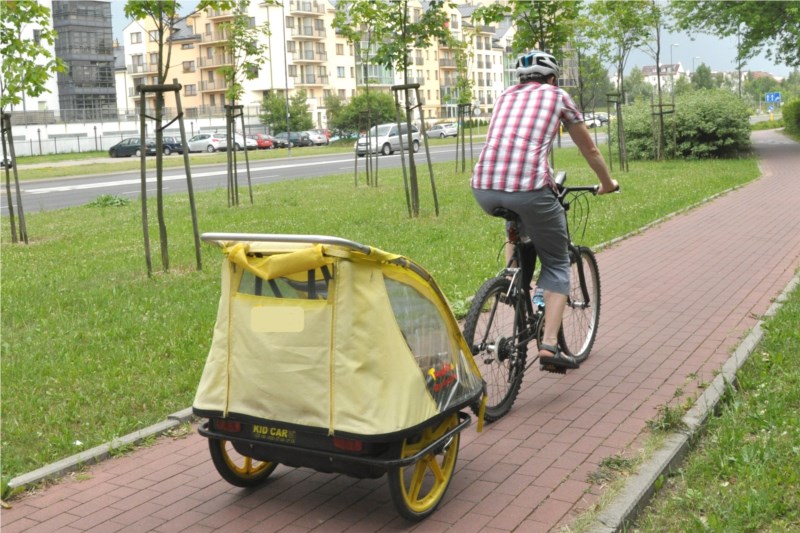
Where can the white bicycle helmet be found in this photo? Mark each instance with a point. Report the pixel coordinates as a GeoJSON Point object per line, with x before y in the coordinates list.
{"type": "Point", "coordinates": [537, 63]}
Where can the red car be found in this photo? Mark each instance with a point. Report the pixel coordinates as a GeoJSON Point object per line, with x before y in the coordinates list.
{"type": "Point", "coordinates": [264, 142]}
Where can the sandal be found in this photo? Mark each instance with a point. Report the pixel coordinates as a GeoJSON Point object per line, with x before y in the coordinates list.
{"type": "Point", "coordinates": [558, 362]}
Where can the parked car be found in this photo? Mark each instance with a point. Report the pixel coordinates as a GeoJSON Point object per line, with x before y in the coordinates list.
{"type": "Point", "coordinates": [384, 138]}
{"type": "Point", "coordinates": [591, 120]}
{"type": "Point", "coordinates": [238, 142]}
{"type": "Point", "coordinates": [279, 142]}
{"type": "Point", "coordinates": [263, 142]}
{"type": "Point", "coordinates": [172, 145]}
{"type": "Point", "coordinates": [206, 142]}
{"type": "Point", "coordinates": [7, 163]}
{"type": "Point", "coordinates": [131, 146]}
{"type": "Point", "coordinates": [295, 138]}
{"type": "Point", "coordinates": [318, 137]}
{"type": "Point", "coordinates": [445, 129]}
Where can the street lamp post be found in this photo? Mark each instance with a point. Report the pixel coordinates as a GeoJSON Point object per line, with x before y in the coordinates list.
{"type": "Point", "coordinates": [695, 57]}
{"type": "Point", "coordinates": [672, 72]}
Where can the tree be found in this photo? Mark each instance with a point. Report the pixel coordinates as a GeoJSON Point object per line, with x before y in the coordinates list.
{"type": "Point", "coordinates": [380, 104]}
{"type": "Point", "coordinates": [299, 114]}
{"type": "Point", "coordinates": [273, 112]}
{"type": "Point", "coordinates": [771, 28]}
{"type": "Point", "coordinates": [334, 108]}
{"type": "Point", "coordinates": [617, 28]}
{"type": "Point", "coordinates": [164, 15]}
{"type": "Point", "coordinates": [637, 89]}
{"type": "Point", "coordinates": [543, 24]}
{"type": "Point", "coordinates": [396, 35]}
{"type": "Point", "coordinates": [593, 84]}
{"type": "Point", "coordinates": [246, 52]}
{"type": "Point", "coordinates": [701, 79]}
{"type": "Point", "coordinates": [27, 64]}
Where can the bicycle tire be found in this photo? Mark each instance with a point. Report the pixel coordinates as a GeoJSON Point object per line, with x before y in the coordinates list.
{"type": "Point", "coordinates": [490, 329]}
{"type": "Point", "coordinates": [581, 317]}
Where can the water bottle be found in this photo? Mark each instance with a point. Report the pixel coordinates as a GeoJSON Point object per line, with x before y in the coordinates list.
{"type": "Point", "coordinates": [538, 298]}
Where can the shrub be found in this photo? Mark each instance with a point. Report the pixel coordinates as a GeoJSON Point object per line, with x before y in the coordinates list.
{"type": "Point", "coordinates": [791, 117]}
{"type": "Point", "coordinates": [705, 124]}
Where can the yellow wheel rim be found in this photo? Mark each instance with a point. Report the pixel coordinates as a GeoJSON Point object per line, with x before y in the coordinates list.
{"type": "Point", "coordinates": [244, 467]}
{"type": "Point", "coordinates": [423, 483]}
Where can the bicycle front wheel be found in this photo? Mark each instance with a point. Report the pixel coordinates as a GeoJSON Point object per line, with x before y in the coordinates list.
{"type": "Point", "coordinates": [491, 329]}
{"type": "Point", "coordinates": [582, 312]}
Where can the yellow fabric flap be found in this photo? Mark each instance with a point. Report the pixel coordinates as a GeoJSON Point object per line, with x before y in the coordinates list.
{"type": "Point", "coordinates": [279, 265]}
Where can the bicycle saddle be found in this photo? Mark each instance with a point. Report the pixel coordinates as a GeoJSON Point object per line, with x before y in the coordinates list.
{"type": "Point", "coordinates": [504, 212]}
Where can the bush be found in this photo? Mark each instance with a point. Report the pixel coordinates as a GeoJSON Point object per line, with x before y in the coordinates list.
{"type": "Point", "coordinates": [791, 117]}
{"type": "Point", "coordinates": [705, 124]}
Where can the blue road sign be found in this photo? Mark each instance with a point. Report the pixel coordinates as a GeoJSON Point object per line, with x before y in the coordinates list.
{"type": "Point", "coordinates": [772, 97]}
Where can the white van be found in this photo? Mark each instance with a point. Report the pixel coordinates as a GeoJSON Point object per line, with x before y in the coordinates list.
{"type": "Point", "coordinates": [384, 139]}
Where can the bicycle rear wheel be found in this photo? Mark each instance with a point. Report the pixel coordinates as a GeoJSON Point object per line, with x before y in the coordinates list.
{"type": "Point", "coordinates": [491, 329]}
{"type": "Point", "coordinates": [582, 312]}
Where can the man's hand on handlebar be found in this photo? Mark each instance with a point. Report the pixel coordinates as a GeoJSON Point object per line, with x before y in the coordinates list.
{"type": "Point", "coordinates": [602, 190]}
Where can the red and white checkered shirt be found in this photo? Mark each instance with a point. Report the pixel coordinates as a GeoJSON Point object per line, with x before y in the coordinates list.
{"type": "Point", "coordinates": [524, 124]}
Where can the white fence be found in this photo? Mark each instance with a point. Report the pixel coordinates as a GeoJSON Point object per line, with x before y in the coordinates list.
{"type": "Point", "coordinates": [59, 138]}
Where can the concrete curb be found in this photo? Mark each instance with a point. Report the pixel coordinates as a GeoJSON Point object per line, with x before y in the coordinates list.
{"type": "Point", "coordinates": [98, 453]}
{"type": "Point", "coordinates": [638, 490]}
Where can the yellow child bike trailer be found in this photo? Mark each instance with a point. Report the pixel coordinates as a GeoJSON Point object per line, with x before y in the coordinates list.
{"type": "Point", "coordinates": [335, 356]}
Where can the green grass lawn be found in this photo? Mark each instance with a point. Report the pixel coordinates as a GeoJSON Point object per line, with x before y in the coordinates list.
{"type": "Point", "coordinates": [744, 474]}
{"type": "Point", "coordinates": [94, 349]}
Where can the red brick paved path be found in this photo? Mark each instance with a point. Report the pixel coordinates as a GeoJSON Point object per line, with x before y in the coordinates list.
{"type": "Point", "coordinates": [677, 299]}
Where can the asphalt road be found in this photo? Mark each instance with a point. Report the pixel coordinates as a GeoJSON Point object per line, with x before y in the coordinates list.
{"type": "Point", "coordinates": [46, 195]}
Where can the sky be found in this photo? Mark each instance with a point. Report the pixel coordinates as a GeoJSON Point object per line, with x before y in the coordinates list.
{"type": "Point", "coordinates": [717, 54]}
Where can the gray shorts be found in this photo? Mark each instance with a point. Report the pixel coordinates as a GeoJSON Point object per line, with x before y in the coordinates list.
{"type": "Point", "coordinates": [543, 221]}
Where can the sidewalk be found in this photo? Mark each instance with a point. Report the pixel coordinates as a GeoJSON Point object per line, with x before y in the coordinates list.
{"type": "Point", "coordinates": [677, 300]}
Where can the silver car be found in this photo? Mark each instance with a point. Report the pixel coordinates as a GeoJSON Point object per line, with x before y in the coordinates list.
{"type": "Point", "coordinates": [384, 138]}
{"type": "Point", "coordinates": [206, 142]}
{"type": "Point", "coordinates": [445, 129]}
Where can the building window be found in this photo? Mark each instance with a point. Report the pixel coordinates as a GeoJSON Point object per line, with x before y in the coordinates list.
{"type": "Point", "coordinates": [37, 36]}
{"type": "Point", "coordinates": [190, 90]}
{"type": "Point", "coordinates": [340, 49]}
{"type": "Point", "coordinates": [352, 72]}
{"type": "Point", "coordinates": [153, 36]}
{"type": "Point", "coordinates": [290, 22]}
{"type": "Point", "coordinates": [188, 46]}
{"type": "Point", "coordinates": [291, 46]}
{"type": "Point", "coordinates": [136, 38]}
{"type": "Point", "coordinates": [342, 94]}
{"type": "Point", "coordinates": [208, 28]}
{"type": "Point", "coordinates": [188, 66]}
{"type": "Point", "coordinates": [154, 58]}
{"type": "Point", "coordinates": [293, 71]}
{"type": "Point", "coordinates": [340, 72]}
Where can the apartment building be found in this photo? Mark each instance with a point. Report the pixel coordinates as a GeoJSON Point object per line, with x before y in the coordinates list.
{"type": "Point", "coordinates": [305, 53]}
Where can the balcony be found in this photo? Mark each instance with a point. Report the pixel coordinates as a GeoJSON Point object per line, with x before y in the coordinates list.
{"type": "Point", "coordinates": [307, 32]}
{"type": "Point", "coordinates": [213, 37]}
{"type": "Point", "coordinates": [143, 68]}
{"type": "Point", "coordinates": [214, 62]}
{"type": "Point", "coordinates": [220, 14]}
{"type": "Point", "coordinates": [447, 62]}
{"type": "Point", "coordinates": [211, 86]}
{"type": "Point", "coordinates": [306, 7]}
{"type": "Point", "coordinates": [309, 56]}
{"type": "Point", "coordinates": [310, 79]}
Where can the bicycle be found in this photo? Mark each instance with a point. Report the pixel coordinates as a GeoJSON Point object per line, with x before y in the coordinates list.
{"type": "Point", "coordinates": [502, 320]}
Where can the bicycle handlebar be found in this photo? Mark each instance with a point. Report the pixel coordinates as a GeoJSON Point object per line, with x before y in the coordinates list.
{"type": "Point", "coordinates": [561, 177]}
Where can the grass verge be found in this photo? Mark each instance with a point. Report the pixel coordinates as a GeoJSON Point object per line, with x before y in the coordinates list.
{"type": "Point", "coordinates": [744, 473]}
{"type": "Point", "coordinates": [93, 349]}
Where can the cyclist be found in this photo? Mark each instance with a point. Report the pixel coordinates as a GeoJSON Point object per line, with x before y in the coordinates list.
{"type": "Point", "coordinates": [513, 172]}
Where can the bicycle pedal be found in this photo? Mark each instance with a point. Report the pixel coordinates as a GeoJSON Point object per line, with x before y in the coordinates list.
{"type": "Point", "coordinates": [553, 368]}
